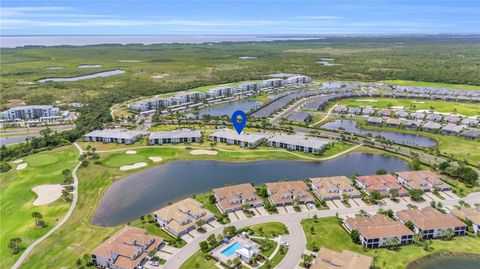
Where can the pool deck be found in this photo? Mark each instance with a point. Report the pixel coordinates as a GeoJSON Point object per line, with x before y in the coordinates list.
{"type": "Point", "coordinates": [240, 239]}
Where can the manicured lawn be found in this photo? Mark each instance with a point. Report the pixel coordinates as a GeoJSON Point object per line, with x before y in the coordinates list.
{"type": "Point", "coordinates": [271, 246]}
{"type": "Point", "coordinates": [204, 199]}
{"type": "Point", "coordinates": [154, 230]}
{"type": "Point", "coordinates": [269, 229]}
{"type": "Point", "coordinates": [198, 260]}
{"type": "Point", "coordinates": [328, 233]}
{"type": "Point", "coordinates": [121, 159]}
{"type": "Point", "coordinates": [277, 258]}
{"type": "Point", "coordinates": [467, 109]}
{"type": "Point", "coordinates": [16, 199]}
{"type": "Point", "coordinates": [430, 84]}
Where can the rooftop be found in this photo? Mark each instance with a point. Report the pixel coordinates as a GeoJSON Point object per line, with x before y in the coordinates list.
{"type": "Point", "coordinates": [175, 134]}
{"type": "Point", "coordinates": [334, 186]}
{"type": "Point", "coordinates": [423, 179]}
{"type": "Point", "coordinates": [300, 140]}
{"type": "Point", "coordinates": [429, 218]}
{"type": "Point", "coordinates": [470, 213]}
{"type": "Point", "coordinates": [232, 196]}
{"type": "Point", "coordinates": [244, 136]}
{"type": "Point", "coordinates": [287, 191]}
{"type": "Point", "coordinates": [115, 133]}
{"type": "Point", "coordinates": [377, 226]}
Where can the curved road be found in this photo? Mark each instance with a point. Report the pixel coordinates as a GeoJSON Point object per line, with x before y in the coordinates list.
{"type": "Point", "coordinates": [296, 238]}
{"type": "Point", "coordinates": [59, 224]}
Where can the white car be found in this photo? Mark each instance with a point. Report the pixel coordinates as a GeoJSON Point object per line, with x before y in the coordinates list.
{"type": "Point", "coordinates": [285, 244]}
{"type": "Point", "coordinates": [154, 263]}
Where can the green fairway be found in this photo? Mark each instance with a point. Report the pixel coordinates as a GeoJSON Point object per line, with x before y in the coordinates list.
{"type": "Point", "coordinates": [328, 233]}
{"type": "Point", "coordinates": [41, 159]}
{"type": "Point", "coordinates": [16, 199]}
{"type": "Point", "coordinates": [467, 109]}
{"type": "Point", "coordinates": [430, 84]}
{"type": "Point", "coordinates": [121, 159]}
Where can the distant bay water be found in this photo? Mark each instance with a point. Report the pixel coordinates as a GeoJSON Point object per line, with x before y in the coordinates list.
{"type": "Point", "coordinates": [83, 40]}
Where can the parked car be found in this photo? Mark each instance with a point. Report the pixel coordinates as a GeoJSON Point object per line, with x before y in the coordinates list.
{"type": "Point", "coordinates": [252, 212]}
{"type": "Point", "coordinates": [285, 244]}
{"type": "Point", "coordinates": [154, 263]}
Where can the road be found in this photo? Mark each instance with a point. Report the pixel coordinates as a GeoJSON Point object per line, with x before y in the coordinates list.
{"type": "Point", "coordinates": [291, 109]}
{"type": "Point", "coordinates": [296, 237]}
{"type": "Point", "coordinates": [329, 112]}
{"type": "Point", "coordinates": [59, 224]}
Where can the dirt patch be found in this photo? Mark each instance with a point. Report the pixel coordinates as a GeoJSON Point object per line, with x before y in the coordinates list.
{"type": "Point", "coordinates": [155, 159]}
{"type": "Point", "coordinates": [22, 166]}
{"type": "Point", "coordinates": [133, 166]}
{"type": "Point", "coordinates": [203, 152]}
{"type": "Point", "coordinates": [47, 193]}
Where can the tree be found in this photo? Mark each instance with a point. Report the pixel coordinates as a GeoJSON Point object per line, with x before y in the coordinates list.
{"type": "Point", "coordinates": [355, 235]}
{"type": "Point", "coordinates": [229, 231]}
{"type": "Point", "coordinates": [307, 260]}
{"type": "Point", "coordinates": [392, 243]}
{"type": "Point", "coordinates": [418, 237]}
{"type": "Point", "coordinates": [212, 240]}
{"type": "Point", "coordinates": [416, 194]}
{"type": "Point", "coordinates": [14, 245]}
{"type": "Point", "coordinates": [38, 218]}
{"type": "Point", "coordinates": [65, 195]}
{"type": "Point", "coordinates": [410, 225]}
{"type": "Point", "coordinates": [375, 195]}
{"type": "Point", "coordinates": [200, 224]}
{"type": "Point", "coordinates": [415, 164]}
{"type": "Point", "coordinates": [152, 253]}
{"type": "Point", "coordinates": [204, 246]}
{"type": "Point", "coordinates": [393, 194]}
{"type": "Point", "coordinates": [5, 167]}
{"type": "Point", "coordinates": [381, 172]}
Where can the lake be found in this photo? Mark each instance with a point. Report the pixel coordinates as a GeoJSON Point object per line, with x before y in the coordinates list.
{"type": "Point", "coordinates": [400, 138]}
{"type": "Point", "coordinates": [447, 261]}
{"type": "Point", "coordinates": [229, 108]}
{"type": "Point", "coordinates": [8, 140]}
{"type": "Point", "coordinates": [95, 75]}
{"type": "Point", "coordinates": [144, 192]}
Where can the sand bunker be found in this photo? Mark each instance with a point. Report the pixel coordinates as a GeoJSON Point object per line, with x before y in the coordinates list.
{"type": "Point", "coordinates": [367, 100]}
{"type": "Point", "coordinates": [129, 152]}
{"type": "Point", "coordinates": [47, 193]}
{"type": "Point", "coordinates": [155, 159]}
{"type": "Point", "coordinates": [418, 102]}
{"type": "Point", "coordinates": [203, 152]}
{"type": "Point", "coordinates": [22, 166]}
{"type": "Point", "coordinates": [129, 61]}
{"type": "Point", "coordinates": [133, 166]}
{"type": "Point", "coordinates": [18, 161]}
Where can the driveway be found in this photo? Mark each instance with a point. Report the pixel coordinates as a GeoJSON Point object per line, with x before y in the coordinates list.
{"type": "Point", "coordinates": [359, 202]}
{"type": "Point", "coordinates": [262, 211]}
{"type": "Point", "coordinates": [427, 198]}
{"type": "Point", "coordinates": [187, 238]}
{"type": "Point", "coordinates": [339, 204]}
{"type": "Point", "coordinates": [241, 215]}
{"type": "Point", "coordinates": [232, 216]}
{"type": "Point", "coordinates": [331, 204]}
{"type": "Point", "coordinates": [290, 209]}
{"type": "Point", "coordinates": [281, 210]}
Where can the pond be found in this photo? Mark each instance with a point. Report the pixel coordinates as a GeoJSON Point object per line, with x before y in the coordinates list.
{"type": "Point", "coordinates": [89, 66]}
{"type": "Point", "coordinates": [95, 75]}
{"type": "Point", "coordinates": [400, 138]}
{"type": "Point", "coordinates": [142, 193]}
{"type": "Point", "coordinates": [447, 261]}
{"type": "Point", "coordinates": [229, 108]}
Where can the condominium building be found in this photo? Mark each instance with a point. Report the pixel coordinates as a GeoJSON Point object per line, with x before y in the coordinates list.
{"type": "Point", "coordinates": [274, 82]}
{"type": "Point", "coordinates": [174, 137]}
{"type": "Point", "coordinates": [299, 79]}
{"type": "Point", "coordinates": [160, 103]}
{"type": "Point", "coordinates": [126, 249]}
{"type": "Point", "coordinates": [379, 230]}
{"type": "Point", "coordinates": [381, 183]}
{"type": "Point", "coordinates": [121, 136]}
{"type": "Point", "coordinates": [221, 91]}
{"type": "Point", "coordinates": [431, 222]}
{"type": "Point", "coordinates": [469, 214]}
{"type": "Point", "coordinates": [232, 198]}
{"type": "Point", "coordinates": [30, 112]}
{"type": "Point", "coordinates": [425, 180]}
{"type": "Point", "coordinates": [180, 218]}
{"type": "Point", "coordinates": [249, 140]}
{"type": "Point", "coordinates": [333, 188]}
{"type": "Point", "coordinates": [287, 192]}
{"type": "Point", "coordinates": [299, 142]}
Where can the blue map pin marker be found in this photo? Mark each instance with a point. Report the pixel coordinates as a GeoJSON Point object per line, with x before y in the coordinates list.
{"type": "Point", "coordinates": [239, 125]}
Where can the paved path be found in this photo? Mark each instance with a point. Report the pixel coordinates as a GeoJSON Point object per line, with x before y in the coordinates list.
{"type": "Point", "coordinates": [59, 224]}
{"type": "Point", "coordinates": [325, 117]}
{"type": "Point", "coordinates": [296, 238]}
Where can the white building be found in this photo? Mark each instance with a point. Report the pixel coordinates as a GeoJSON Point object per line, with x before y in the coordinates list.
{"type": "Point", "coordinates": [30, 112]}
{"type": "Point", "coordinates": [299, 142]}
{"type": "Point", "coordinates": [299, 79]}
{"type": "Point", "coordinates": [249, 140]}
{"type": "Point", "coordinates": [221, 91]}
{"type": "Point", "coordinates": [176, 136]}
{"type": "Point", "coordinates": [120, 136]}
{"type": "Point", "coordinates": [274, 82]}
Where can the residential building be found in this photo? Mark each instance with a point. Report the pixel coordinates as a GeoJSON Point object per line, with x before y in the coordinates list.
{"type": "Point", "coordinates": [248, 140]}
{"type": "Point", "coordinates": [299, 142]}
{"type": "Point", "coordinates": [248, 86]}
{"type": "Point", "coordinates": [300, 116]}
{"type": "Point", "coordinates": [375, 121]}
{"type": "Point", "coordinates": [452, 129]}
{"type": "Point", "coordinates": [381, 183]}
{"type": "Point", "coordinates": [299, 79]}
{"type": "Point", "coordinates": [470, 122]}
{"type": "Point", "coordinates": [393, 122]}
{"type": "Point", "coordinates": [471, 133]}
{"type": "Point", "coordinates": [431, 127]}
{"type": "Point", "coordinates": [126, 249]}
{"type": "Point", "coordinates": [469, 213]}
{"type": "Point", "coordinates": [329, 259]}
{"type": "Point", "coordinates": [412, 124]}
{"type": "Point", "coordinates": [221, 91]}
{"type": "Point", "coordinates": [434, 117]}
{"type": "Point", "coordinates": [401, 114]}
{"type": "Point", "coordinates": [333, 188]}
{"type": "Point", "coordinates": [379, 230]}
{"type": "Point", "coordinates": [340, 109]}
{"type": "Point", "coordinates": [30, 112]}
{"type": "Point", "coordinates": [454, 119]}
{"type": "Point", "coordinates": [120, 136]}
{"type": "Point", "coordinates": [175, 137]}
{"type": "Point", "coordinates": [417, 115]}
{"type": "Point", "coordinates": [368, 111]}
{"type": "Point", "coordinates": [286, 192]}
{"type": "Point", "coordinates": [431, 222]}
{"type": "Point", "coordinates": [274, 82]}
{"type": "Point", "coordinates": [385, 112]}
{"type": "Point", "coordinates": [425, 180]}
{"type": "Point", "coordinates": [232, 198]}
{"type": "Point", "coordinates": [354, 110]}
{"type": "Point", "coordinates": [180, 218]}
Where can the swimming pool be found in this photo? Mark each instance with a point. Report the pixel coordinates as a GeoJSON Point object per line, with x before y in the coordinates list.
{"type": "Point", "coordinates": [231, 249]}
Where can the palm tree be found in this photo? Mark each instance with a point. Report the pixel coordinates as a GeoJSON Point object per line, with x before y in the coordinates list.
{"type": "Point", "coordinates": [38, 217]}
{"type": "Point", "coordinates": [14, 244]}
{"type": "Point", "coordinates": [417, 238]}
{"type": "Point", "coordinates": [200, 223]}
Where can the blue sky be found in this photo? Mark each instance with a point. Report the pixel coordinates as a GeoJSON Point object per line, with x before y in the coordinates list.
{"type": "Point", "coordinates": [150, 17]}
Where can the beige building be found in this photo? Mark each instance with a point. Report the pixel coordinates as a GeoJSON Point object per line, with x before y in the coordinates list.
{"type": "Point", "coordinates": [471, 214]}
{"type": "Point", "coordinates": [180, 217]}
{"type": "Point", "coordinates": [425, 180]}
{"type": "Point", "coordinates": [231, 198]}
{"type": "Point", "coordinates": [431, 222]}
{"type": "Point", "coordinates": [329, 259]}
{"type": "Point", "coordinates": [286, 192]}
{"type": "Point", "coordinates": [126, 249]}
{"type": "Point", "coordinates": [331, 188]}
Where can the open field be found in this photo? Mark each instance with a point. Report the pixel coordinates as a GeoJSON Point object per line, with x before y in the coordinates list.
{"type": "Point", "coordinates": [430, 84]}
{"type": "Point", "coordinates": [198, 260]}
{"type": "Point", "coordinates": [16, 198]}
{"type": "Point", "coordinates": [328, 233]}
{"type": "Point", "coordinates": [467, 109]}
{"type": "Point", "coordinates": [159, 69]}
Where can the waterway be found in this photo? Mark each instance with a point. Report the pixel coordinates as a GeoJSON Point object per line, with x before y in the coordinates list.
{"type": "Point", "coordinates": [90, 76]}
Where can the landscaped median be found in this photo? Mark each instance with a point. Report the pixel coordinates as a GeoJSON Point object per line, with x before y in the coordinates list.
{"type": "Point", "coordinates": [328, 233]}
